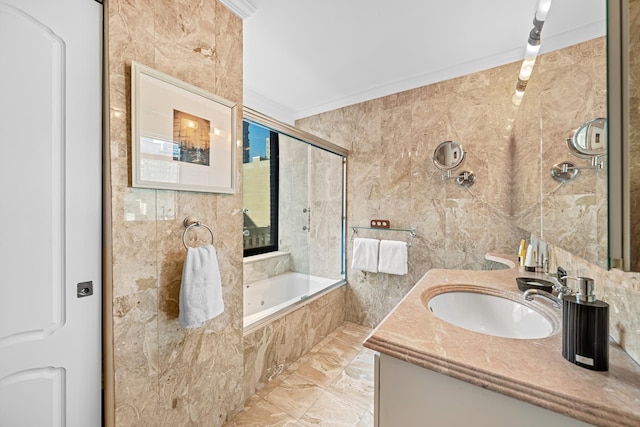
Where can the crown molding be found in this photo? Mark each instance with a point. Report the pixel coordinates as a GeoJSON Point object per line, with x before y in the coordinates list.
{"type": "Point", "coordinates": [269, 107]}
{"type": "Point", "coordinates": [242, 8]}
{"type": "Point", "coordinates": [581, 34]}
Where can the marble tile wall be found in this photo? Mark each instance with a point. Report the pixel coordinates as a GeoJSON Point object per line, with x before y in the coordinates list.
{"type": "Point", "coordinates": [310, 178]}
{"type": "Point", "coordinates": [293, 198]}
{"type": "Point", "coordinates": [567, 88]}
{"type": "Point", "coordinates": [570, 87]}
{"type": "Point", "coordinates": [264, 266]}
{"type": "Point", "coordinates": [390, 175]}
{"type": "Point", "coordinates": [325, 200]}
{"type": "Point", "coordinates": [270, 349]}
{"type": "Point", "coordinates": [165, 375]}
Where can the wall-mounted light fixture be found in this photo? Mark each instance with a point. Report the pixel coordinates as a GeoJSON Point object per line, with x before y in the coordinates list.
{"type": "Point", "coordinates": [531, 51]}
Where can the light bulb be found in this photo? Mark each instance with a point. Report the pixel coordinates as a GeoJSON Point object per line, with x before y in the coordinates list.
{"type": "Point", "coordinates": [542, 9]}
{"type": "Point", "coordinates": [526, 69]}
{"type": "Point", "coordinates": [517, 97]}
{"type": "Point", "coordinates": [531, 51]}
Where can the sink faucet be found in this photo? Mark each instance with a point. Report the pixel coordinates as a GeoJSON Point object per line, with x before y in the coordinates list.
{"type": "Point", "coordinates": [530, 294]}
{"type": "Point", "coordinates": [560, 289]}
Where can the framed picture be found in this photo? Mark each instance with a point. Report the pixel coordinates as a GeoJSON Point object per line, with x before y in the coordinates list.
{"type": "Point", "coordinates": [183, 137]}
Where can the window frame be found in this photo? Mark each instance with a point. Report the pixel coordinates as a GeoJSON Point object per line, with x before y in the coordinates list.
{"type": "Point", "coordinates": [274, 183]}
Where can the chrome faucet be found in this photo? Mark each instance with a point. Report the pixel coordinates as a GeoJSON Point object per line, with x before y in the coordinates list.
{"type": "Point", "coordinates": [561, 289]}
{"type": "Point", "coordinates": [530, 294]}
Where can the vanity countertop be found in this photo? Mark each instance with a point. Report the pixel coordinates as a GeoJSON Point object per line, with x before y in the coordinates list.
{"type": "Point", "coordinates": [531, 370]}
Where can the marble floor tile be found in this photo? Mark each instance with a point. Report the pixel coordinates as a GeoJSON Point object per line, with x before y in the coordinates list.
{"type": "Point", "coordinates": [295, 395]}
{"type": "Point", "coordinates": [332, 385]}
{"type": "Point", "coordinates": [355, 384]}
{"type": "Point", "coordinates": [275, 382]}
{"type": "Point", "coordinates": [332, 410]}
{"type": "Point", "coordinates": [352, 333]}
{"type": "Point", "coordinates": [341, 350]}
{"type": "Point", "coordinates": [321, 369]}
{"type": "Point", "coordinates": [260, 413]}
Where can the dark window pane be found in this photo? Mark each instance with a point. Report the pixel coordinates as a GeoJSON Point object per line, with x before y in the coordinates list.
{"type": "Point", "coordinates": [260, 189]}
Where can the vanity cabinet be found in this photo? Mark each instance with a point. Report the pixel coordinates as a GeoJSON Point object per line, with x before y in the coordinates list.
{"type": "Point", "coordinates": [411, 396]}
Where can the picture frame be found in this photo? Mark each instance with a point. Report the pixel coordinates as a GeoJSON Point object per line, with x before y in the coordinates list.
{"type": "Point", "coordinates": [183, 137]}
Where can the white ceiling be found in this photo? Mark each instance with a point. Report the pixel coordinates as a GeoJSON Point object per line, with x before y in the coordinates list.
{"type": "Point", "coordinates": [303, 57]}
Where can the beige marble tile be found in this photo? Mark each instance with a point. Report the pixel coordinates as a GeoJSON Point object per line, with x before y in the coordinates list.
{"type": "Point", "coordinates": [355, 384]}
{"type": "Point", "coordinates": [295, 395]}
{"type": "Point", "coordinates": [331, 410]}
{"type": "Point", "coordinates": [280, 345]}
{"type": "Point", "coordinates": [352, 333]}
{"type": "Point", "coordinates": [366, 420]}
{"type": "Point", "coordinates": [260, 413]}
{"type": "Point", "coordinates": [320, 368]}
{"type": "Point", "coordinates": [164, 375]}
{"type": "Point", "coordinates": [392, 140]}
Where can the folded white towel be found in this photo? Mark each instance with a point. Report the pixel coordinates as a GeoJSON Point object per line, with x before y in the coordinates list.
{"type": "Point", "coordinates": [201, 288]}
{"type": "Point", "coordinates": [365, 254]}
{"type": "Point", "coordinates": [393, 257]}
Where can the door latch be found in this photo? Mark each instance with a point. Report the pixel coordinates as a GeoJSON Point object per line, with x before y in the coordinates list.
{"type": "Point", "coordinates": [85, 289]}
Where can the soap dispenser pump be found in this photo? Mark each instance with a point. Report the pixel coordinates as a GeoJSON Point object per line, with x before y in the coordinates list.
{"type": "Point", "coordinates": [585, 327]}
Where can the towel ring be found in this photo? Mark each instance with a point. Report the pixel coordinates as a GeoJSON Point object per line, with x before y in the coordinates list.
{"type": "Point", "coordinates": [190, 223]}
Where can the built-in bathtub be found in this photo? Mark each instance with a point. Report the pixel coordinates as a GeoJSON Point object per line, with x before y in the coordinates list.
{"type": "Point", "coordinates": [274, 296]}
{"type": "Point", "coordinates": [285, 317]}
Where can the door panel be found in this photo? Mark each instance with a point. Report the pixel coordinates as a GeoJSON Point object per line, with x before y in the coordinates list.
{"type": "Point", "coordinates": [45, 388]}
{"type": "Point", "coordinates": [50, 224]}
{"type": "Point", "coordinates": [35, 226]}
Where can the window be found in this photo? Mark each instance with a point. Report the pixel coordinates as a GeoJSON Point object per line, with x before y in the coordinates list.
{"type": "Point", "coordinates": [260, 189]}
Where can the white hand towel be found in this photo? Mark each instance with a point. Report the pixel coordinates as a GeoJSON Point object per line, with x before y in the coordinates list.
{"type": "Point", "coordinates": [393, 257]}
{"type": "Point", "coordinates": [365, 254]}
{"type": "Point", "coordinates": [201, 288]}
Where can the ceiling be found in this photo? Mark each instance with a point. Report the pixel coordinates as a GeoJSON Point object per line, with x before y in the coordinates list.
{"type": "Point", "coordinates": [303, 57]}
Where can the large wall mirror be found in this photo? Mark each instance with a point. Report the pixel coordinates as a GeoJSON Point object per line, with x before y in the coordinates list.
{"type": "Point", "coordinates": [566, 92]}
{"type": "Point", "coordinates": [624, 132]}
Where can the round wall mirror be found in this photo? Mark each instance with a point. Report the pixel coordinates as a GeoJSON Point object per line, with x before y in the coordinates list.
{"type": "Point", "coordinates": [448, 155]}
{"type": "Point", "coordinates": [590, 139]}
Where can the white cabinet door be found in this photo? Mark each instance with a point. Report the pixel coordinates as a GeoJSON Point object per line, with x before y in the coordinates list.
{"type": "Point", "coordinates": [50, 220]}
{"type": "Point", "coordinates": [412, 396]}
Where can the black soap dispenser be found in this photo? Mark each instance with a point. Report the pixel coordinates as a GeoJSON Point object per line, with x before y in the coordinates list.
{"type": "Point", "coordinates": [585, 328]}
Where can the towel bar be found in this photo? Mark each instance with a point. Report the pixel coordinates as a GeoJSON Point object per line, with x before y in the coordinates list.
{"type": "Point", "coordinates": [411, 231]}
{"type": "Point", "coordinates": [190, 223]}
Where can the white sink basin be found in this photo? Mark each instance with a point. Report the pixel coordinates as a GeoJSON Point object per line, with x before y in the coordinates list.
{"type": "Point", "coordinates": [490, 314]}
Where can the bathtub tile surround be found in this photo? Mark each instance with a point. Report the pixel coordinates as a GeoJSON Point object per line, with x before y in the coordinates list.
{"type": "Point", "coordinates": [165, 375]}
{"type": "Point", "coordinates": [264, 266]}
{"type": "Point", "coordinates": [272, 347]}
{"type": "Point", "coordinates": [331, 385]}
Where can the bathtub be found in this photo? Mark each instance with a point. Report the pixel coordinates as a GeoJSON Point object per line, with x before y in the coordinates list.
{"type": "Point", "coordinates": [270, 297]}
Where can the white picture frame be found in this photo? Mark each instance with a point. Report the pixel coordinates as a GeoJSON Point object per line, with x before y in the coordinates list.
{"type": "Point", "coordinates": [182, 137]}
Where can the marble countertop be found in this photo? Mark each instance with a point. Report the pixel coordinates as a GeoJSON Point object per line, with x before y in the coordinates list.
{"type": "Point", "coordinates": [531, 370]}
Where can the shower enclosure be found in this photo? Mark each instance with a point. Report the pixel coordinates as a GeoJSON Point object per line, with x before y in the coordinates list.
{"type": "Point", "coordinates": [293, 209]}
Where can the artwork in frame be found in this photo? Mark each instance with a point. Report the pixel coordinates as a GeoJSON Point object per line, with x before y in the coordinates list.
{"type": "Point", "coordinates": [183, 137]}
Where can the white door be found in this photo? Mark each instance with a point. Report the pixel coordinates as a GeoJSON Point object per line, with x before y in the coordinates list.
{"type": "Point", "coordinates": [50, 215]}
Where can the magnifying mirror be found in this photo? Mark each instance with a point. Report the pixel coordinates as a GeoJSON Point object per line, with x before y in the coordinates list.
{"type": "Point", "coordinates": [590, 139]}
{"type": "Point", "coordinates": [448, 156]}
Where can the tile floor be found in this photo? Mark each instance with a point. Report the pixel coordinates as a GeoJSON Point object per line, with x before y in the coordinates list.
{"type": "Point", "coordinates": [332, 385]}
